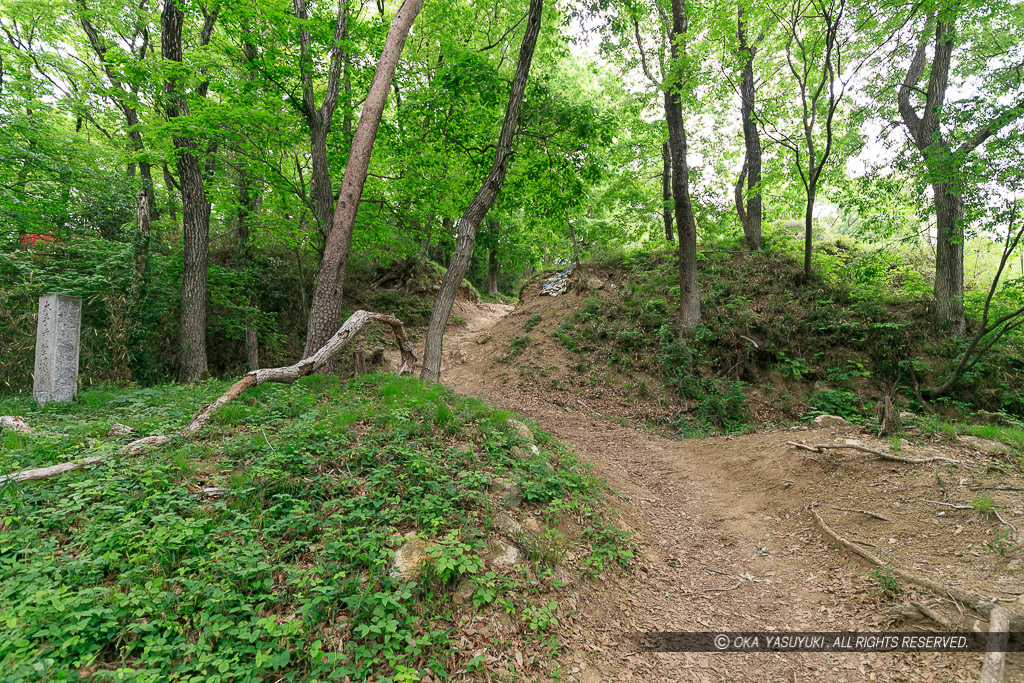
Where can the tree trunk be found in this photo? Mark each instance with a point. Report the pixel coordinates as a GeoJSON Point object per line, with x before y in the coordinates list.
{"type": "Point", "coordinates": [741, 208]}
{"type": "Point", "coordinates": [172, 207]}
{"type": "Point", "coordinates": [949, 259]}
{"type": "Point", "coordinates": [325, 311]}
{"type": "Point", "coordinates": [689, 295]}
{"type": "Point", "coordinates": [666, 190]}
{"type": "Point", "coordinates": [812, 192]}
{"type": "Point", "coordinates": [752, 145]}
{"type": "Point", "coordinates": [493, 270]}
{"type": "Point", "coordinates": [195, 211]}
{"type": "Point", "coordinates": [481, 203]}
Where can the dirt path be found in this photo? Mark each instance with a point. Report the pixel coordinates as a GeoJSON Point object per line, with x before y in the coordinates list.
{"type": "Point", "coordinates": [725, 541]}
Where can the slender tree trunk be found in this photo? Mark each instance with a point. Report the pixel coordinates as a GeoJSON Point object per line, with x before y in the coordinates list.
{"type": "Point", "coordinates": [172, 206]}
{"type": "Point", "coordinates": [319, 118]}
{"type": "Point", "coordinates": [323, 194]}
{"type": "Point", "coordinates": [666, 190]}
{"type": "Point", "coordinates": [493, 270]}
{"type": "Point", "coordinates": [136, 290]}
{"type": "Point", "coordinates": [752, 145]}
{"type": "Point", "coordinates": [741, 208]}
{"type": "Point", "coordinates": [482, 202]}
{"type": "Point", "coordinates": [949, 259]}
{"type": "Point", "coordinates": [812, 192]}
{"type": "Point", "coordinates": [195, 211]}
{"type": "Point", "coordinates": [247, 202]}
{"type": "Point", "coordinates": [325, 312]}
{"type": "Point", "coordinates": [689, 295]}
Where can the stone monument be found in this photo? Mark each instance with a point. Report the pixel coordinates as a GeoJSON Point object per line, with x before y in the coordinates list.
{"type": "Point", "coordinates": [57, 336]}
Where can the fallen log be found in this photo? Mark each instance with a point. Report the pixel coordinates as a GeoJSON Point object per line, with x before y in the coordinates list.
{"type": "Point", "coordinates": [284, 375]}
{"type": "Point", "coordinates": [52, 470]}
{"type": "Point", "coordinates": [307, 366]}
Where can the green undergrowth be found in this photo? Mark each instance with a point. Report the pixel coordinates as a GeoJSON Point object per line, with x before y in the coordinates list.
{"type": "Point", "coordinates": [831, 345]}
{"type": "Point", "coordinates": [125, 571]}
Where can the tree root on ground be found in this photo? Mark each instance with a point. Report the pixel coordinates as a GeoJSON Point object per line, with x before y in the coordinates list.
{"type": "Point", "coordinates": [821, 448]}
{"type": "Point", "coordinates": [978, 602]}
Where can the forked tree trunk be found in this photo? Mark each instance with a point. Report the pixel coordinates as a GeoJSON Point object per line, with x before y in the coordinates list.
{"type": "Point", "coordinates": [686, 227]}
{"type": "Point", "coordinates": [752, 144]}
{"type": "Point", "coordinates": [319, 118]}
{"type": "Point", "coordinates": [482, 202]}
{"type": "Point", "coordinates": [666, 190]}
{"type": "Point", "coordinates": [325, 311]}
{"type": "Point", "coordinates": [195, 209]}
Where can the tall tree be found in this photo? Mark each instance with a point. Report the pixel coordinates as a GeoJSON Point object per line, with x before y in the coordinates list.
{"type": "Point", "coordinates": [125, 94]}
{"type": "Point", "coordinates": [325, 311]}
{"type": "Point", "coordinates": [923, 111]}
{"type": "Point", "coordinates": [195, 208]}
{"type": "Point", "coordinates": [750, 215]}
{"type": "Point", "coordinates": [482, 202]}
{"type": "Point", "coordinates": [319, 118]}
{"type": "Point", "coordinates": [814, 59]}
{"type": "Point", "coordinates": [686, 226]}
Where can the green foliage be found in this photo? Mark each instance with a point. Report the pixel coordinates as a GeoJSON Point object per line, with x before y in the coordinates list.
{"type": "Point", "coordinates": [125, 571]}
{"type": "Point", "coordinates": [841, 402]}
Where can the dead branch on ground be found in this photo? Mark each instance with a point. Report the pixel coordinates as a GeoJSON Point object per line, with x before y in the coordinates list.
{"type": "Point", "coordinates": [821, 448]}
{"type": "Point", "coordinates": [984, 606]}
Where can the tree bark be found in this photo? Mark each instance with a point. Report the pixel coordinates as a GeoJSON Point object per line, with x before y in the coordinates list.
{"type": "Point", "coordinates": [325, 311]}
{"type": "Point", "coordinates": [812, 193]}
{"type": "Point", "coordinates": [689, 295]}
{"type": "Point", "coordinates": [741, 209]}
{"type": "Point", "coordinates": [666, 190]}
{"type": "Point", "coordinates": [482, 202]}
{"type": "Point", "coordinates": [949, 259]}
{"type": "Point", "coordinates": [493, 270]}
{"type": "Point", "coordinates": [752, 144]}
{"type": "Point", "coordinates": [195, 209]}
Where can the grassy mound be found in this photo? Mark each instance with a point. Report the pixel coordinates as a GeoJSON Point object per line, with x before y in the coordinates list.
{"type": "Point", "coordinates": [833, 345]}
{"type": "Point", "coordinates": [125, 571]}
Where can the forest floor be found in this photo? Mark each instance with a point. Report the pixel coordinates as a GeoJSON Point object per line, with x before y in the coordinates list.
{"type": "Point", "coordinates": [724, 533]}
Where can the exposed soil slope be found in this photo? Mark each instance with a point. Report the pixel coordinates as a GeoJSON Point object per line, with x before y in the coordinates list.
{"type": "Point", "coordinates": [724, 535]}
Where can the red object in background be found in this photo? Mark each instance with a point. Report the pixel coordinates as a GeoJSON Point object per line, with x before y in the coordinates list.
{"type": "Point", "coordinates": [35, 239]}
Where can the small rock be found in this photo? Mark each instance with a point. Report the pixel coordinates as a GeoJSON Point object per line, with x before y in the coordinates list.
{"type": "Point", "coordinates": [594, 283]}
{"type": "Point", "coordinates": [118, 429]}
{"type": "Point", "coordinates": [409, 559]}
{"type": "Point", "coordinates": [501, 554]}
{"type": "Point", "coordinates": [531, 525]}
{"type": "Point", "coordinates": [986, 446]}
{"type": "Point", "coordinates": [521, 429]}
{"type": "Point", "coordinates": [501, 621]}
{"type": "Point", "coordinates": [464, 592]}
{"type": "Point", "coordinates": [830, 421]}
{"type": "Point", "coordinates": [504, 522]}
{"type": "Point", "coordinates": [1013, 566]}
{"type": "Point", "coordinates": [483, 339]}
{"type": "Point", "coordinates": [907, 416]}
{"type": "Point", "coordinates": [504, 488]}
{"type": "Point", "coordinates": [15, 423]}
